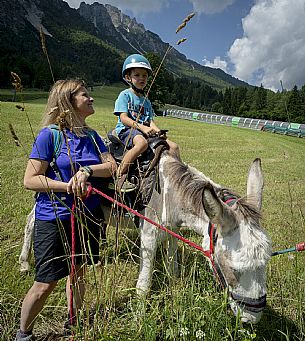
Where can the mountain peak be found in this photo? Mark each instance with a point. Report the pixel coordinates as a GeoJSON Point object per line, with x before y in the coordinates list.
{"type": "Point", "coordinates": [120, 19]}
{"type": "Point", "coordinates": [91, 41]}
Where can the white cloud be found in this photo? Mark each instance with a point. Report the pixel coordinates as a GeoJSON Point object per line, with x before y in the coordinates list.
{"type": "Point", "coordinates": [136, 7]}
{"type": "Point", "coordinates": [211, 6]}
{"type": "Point", "coordinates": [273, 45]}
{"type": "Point", "coordinates": [146, 6]}
{"type": "Point", "coordinates": [216, 64]}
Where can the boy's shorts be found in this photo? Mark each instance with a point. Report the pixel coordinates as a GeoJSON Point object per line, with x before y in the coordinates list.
{"type": "Point", "coordinates": [52, 246]}
{"type": "Point", "coordinates": [127, 135]}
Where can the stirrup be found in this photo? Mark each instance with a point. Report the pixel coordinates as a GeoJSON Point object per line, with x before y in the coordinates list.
{"type": "Point", "coordinates": [125, 186]}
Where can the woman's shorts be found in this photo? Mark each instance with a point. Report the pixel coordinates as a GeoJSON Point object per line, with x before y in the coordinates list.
{"type": "Point", "coordinates": [127, 135]}
{"type": "Point", "coordinates": [52, 245]}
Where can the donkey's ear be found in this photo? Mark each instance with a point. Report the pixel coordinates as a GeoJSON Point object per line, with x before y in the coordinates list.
{"type": "Point", "coordinates": [255, 183]}
{"type": "Point", "coordinates": [217, 211]}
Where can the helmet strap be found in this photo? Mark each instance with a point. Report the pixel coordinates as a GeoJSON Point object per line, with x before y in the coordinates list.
{"type": "Point", "coordinates": [139, 91]}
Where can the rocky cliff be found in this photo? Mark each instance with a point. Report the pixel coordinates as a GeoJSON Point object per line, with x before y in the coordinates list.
{"type": "Point", "coordinates": [90, 42]}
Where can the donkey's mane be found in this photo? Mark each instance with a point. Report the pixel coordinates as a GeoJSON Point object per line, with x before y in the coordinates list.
{"type": "Point", "coordinates": [190, 184]}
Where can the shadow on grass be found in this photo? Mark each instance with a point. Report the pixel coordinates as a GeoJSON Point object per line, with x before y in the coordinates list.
{"type": "Point", "coordinates": [275, 327]}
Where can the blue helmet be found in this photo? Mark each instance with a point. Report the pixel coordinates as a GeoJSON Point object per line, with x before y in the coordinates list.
{"type": "Point", "coordinates": [135, 60]}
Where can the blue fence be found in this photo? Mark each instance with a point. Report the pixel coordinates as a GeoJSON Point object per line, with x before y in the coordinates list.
{"type": "Point", "coordinates": [292, 129]}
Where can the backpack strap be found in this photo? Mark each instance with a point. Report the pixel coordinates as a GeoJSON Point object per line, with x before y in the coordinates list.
{"type": "Point", "coordinates": [92, 134]}
{"type": "Point", "coordinates": [57, 137]}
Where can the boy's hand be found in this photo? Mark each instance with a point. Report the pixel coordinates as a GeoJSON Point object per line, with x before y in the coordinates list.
{"type": "Point", "coordinates": [148, 130]}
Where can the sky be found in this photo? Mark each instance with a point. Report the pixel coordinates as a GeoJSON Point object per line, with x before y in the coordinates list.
{"type": "Point", "coordinates": [257, 41]}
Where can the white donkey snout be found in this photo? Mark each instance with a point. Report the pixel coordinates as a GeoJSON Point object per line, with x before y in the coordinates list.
{"type": "Point", "coordinates": [246, 314]}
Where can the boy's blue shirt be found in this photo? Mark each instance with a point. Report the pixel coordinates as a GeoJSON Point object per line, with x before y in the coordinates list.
{"type": "Point", "coordinates": [132, 104]}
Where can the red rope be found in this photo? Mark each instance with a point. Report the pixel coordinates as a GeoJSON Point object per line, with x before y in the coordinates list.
{"type": "Point", "coordinates": [72, 272]}
{"type": "Point", "coordinates": [207, 253]}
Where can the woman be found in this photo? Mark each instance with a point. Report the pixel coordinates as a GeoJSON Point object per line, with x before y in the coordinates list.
{"type": "Point", "coordinates": [82, 158]}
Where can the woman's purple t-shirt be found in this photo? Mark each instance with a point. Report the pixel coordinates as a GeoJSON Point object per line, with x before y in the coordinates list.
{"type": "Point", "coordinates": [82, 152]}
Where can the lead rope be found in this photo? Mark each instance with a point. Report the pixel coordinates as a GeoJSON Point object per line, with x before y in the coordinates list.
{"type": "Point", "coordinates": [72, 272]}
{"type": "Point", "coordinates": [298, 248]}
{"type": "Point", "coordinates": [206, 253]}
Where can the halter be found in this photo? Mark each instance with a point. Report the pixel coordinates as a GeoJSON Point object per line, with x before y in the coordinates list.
{"type": "Point", "coordinates": [255, 305]}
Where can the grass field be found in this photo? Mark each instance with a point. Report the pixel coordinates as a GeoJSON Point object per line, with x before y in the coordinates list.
{"type": "Point", "coordinates": [191, 308]}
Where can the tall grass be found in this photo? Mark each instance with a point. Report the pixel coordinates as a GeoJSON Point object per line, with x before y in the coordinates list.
{"type": "Point", "coordinates": [190, 307]}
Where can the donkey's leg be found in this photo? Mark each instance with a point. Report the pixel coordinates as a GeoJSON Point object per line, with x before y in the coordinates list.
{"type": "Point", "coordinates": [27, 242]}
{"type": "Point", "coordinates": [149, 239]}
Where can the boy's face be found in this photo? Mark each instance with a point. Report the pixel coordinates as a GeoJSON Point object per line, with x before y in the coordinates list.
{"type": "Point", "coordinates": [138, 77]}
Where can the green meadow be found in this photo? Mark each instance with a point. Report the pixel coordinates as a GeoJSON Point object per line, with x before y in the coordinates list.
{"type": "Point", "coordinates": [190, 307]}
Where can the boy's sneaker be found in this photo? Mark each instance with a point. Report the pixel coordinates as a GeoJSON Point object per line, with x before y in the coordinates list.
{"type": "Point", "coordinates": [125, 186]}
{"type": "Point", "coordinates": [21, 336]}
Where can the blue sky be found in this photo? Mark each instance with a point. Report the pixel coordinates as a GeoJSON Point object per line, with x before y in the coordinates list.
{"type": "Point", "coordinates": [258, 41]}
{"type": "Point", "coordinates": [208, 35]}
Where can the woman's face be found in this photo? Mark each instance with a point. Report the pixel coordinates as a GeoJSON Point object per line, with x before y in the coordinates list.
{"type": "Point", "coordinates": [83, 102]}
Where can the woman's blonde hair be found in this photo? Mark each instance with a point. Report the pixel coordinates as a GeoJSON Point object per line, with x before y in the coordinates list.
{"type": "Point", "coordinates": [60, 109]}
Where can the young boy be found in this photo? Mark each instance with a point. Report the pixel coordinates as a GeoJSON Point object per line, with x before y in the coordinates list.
{"type": "Point", "coordinates": [135, 116]}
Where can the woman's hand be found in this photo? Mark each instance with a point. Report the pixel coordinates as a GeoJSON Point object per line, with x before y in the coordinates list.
{"type": "Point", "coordinates": [78, 184]}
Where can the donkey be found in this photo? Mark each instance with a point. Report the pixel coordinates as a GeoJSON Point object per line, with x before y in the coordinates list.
{"type": "Point", "coordinates": [242, 248]}
{"type": "Point", "coordinates": [187, 198]}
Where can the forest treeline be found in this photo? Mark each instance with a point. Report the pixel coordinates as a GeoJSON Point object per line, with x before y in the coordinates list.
{"type": "Point", "coordinates": [251, 101]}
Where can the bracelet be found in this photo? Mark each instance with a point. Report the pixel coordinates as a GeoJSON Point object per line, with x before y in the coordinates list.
{"type": "Point", "coordinates": [87, 170]}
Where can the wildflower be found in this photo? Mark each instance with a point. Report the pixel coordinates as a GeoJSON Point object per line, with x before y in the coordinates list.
{"type": "Point", "coordinates": [190, 16]}
{"type": "Point", "coordinates": [243, 331]}
{"type": "Point", "coordinates": [184, 331]}
{"type": "Point", "coordinates": [200, 334]}
{"type": "Point", "coordinates": [185, 21]}
{"type": "Point", "coordinates": [53, 110]}
{"type": "Point", "coordinates": [61, 119]}
{"type": "Point", "coordinates": [181, 41]}
{"type": "Point", "coordinates": [16, 81]}
{"type": "Point", "coordinates": [43, 41]}
{"type": "Point", "coordinates": [247, 334]}
{"type": "Point", "coordinates": [14, 135]}
{"type": "Point", "coordinates": [180, 27]}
